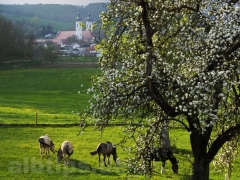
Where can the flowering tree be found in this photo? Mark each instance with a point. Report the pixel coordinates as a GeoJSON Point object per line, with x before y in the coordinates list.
{"type": "Point", "coordinates": [172, 60]}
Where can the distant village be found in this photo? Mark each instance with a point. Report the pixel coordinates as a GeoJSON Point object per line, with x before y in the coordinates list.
{"type": "Point", "coordinates": [86, 48]}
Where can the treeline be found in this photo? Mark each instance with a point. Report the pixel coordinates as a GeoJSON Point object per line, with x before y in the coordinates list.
{"type": "Point", "coordinates": [35, 27]}
{"type": "Point", "coordinates": [13, 43]}
{"type": "Point", "coordinates": [41, 20]}
{"type": "Point", "coordinates": [54, 12]}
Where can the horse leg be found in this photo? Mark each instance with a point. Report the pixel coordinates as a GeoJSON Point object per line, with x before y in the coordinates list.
{"type": "Point", "coordinates": [68, 160]}
{"type": "Point", "coordinates": [47, 152]}
{"type": "Point", "coordinates": [41, 153]}
{"type": "Point", "coordinates": [65, 160]}
{"type": "Point", "coordinates": [163, 165]}
{"type": "Point", "coordinates": [109, 160]}
{"type": "Point", "coordinates": [99, 160]}
{"type": "Point", "coordinates": [149, 166]}
{"type": "Point", "coordinates": [104, 159]}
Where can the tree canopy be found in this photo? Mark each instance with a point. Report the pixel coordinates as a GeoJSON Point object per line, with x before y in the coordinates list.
{"type": "Point", "coordinates": [172, 60]}
{"type": "Point", "coordinates": [13, 44]}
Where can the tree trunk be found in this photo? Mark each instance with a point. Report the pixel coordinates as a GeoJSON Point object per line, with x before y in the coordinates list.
{"type": "Point", "coordinates": [165, 141]}
{"type": "Point", "coordinates": [199, 143]}
{"type": "Point", "coordinates": [200, 169]}
{"type": "Point", "coordinates": [164, 136]}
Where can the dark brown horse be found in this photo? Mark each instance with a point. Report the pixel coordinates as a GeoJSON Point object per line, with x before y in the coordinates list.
{"type": "Point", "coordinates": [106, 149]}
{"type": "Point", "coordinates": [162, 154]}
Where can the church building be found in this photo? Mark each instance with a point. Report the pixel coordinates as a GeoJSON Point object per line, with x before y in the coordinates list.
{"type": "Point", "coordinates": [81, 32]}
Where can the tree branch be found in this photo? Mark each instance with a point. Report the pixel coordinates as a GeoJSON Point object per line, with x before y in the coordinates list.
{"type": "Point", "coordinates": [221, 139]}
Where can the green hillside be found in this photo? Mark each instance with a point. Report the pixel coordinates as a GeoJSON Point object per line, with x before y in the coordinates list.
{"type": "Point", "coordinates": [57, 25]}
{"type": "Point", "coordinates": [35, 19]}
{"type": "Point", "coordinates": [53, 12]}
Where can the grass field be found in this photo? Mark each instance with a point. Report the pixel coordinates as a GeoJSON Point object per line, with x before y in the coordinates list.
{"type": "Point", "coordinates": [58, 95]}
{"type": "Point", "coordinates": [20, 157]}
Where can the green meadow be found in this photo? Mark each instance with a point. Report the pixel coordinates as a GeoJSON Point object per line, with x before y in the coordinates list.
{"type": "Point", "coordinates": [57, 97]}
{"type": "Point", "coordinates": [43, 22]}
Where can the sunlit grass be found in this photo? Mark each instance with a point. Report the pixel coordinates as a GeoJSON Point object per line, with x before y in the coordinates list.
{"type": "Point", "coordinates": [20, 157]}
{"type": "Point", "coordinates": [53, 96]}
{"type": "Point", "coordinates": [27, 92]}
{"type": "Point", "coordinates": [10, 110]}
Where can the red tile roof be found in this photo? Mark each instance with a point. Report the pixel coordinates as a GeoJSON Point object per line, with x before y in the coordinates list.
{"type": "Point", "coordinates": [87, 35]}
{"type": "Point", "coordinates": [63, 35]}
{"type": "Point", "coordinates": [91, 48]}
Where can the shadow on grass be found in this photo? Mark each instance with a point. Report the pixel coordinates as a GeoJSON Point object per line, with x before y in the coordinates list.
{"type": "Point", "coordinates": [87, 167]}
{"type": "Point", "coordinates": [182, 151]}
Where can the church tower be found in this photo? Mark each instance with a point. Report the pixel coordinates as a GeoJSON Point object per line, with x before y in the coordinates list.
{"type": "Point", "coordinates": [89, 22]}
{"type": "Point", "coordinates": [78, 26]}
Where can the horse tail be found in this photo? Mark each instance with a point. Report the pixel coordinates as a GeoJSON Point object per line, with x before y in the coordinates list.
{"type": "Point", "coordinates": [109, 142]}
{"type": "Point", "coordinates": [69, 149]}
{"type": "Point", "coordinates": [93, 153]}
{"type": "Point", "coordinates": [97, 151]}
{"type": "Point", "coordinates": [41, 141]}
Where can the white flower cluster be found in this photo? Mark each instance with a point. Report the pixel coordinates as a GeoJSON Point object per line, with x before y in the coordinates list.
{"type": "Point", "coordinates": [223, 161]}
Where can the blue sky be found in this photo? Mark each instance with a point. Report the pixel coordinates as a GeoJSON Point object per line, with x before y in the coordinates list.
{"type": "Point", "coordinates": [71, 2]}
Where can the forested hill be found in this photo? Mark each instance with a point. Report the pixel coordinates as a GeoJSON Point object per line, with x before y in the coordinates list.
{"type": "Point", "coordinates": [53, 12]}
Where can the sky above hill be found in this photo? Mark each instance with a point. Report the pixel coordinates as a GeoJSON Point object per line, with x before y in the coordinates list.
{"type": "Point", "coordinates": [71, 2]}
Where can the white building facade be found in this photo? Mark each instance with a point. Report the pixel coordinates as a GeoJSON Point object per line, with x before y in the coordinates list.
{"type": "Point", "coordinates": [89, 22]}
{"type": "Point", "coordinates": [79, 26]}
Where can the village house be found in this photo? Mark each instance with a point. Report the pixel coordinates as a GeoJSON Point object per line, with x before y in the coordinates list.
{"type": "Point", "coordinates": [84, 35]}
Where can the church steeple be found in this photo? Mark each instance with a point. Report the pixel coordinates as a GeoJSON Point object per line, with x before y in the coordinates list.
{"type": "Point", "coordinates": [89, 22]}
{"type": "Point", "coordinates": [78, 26]}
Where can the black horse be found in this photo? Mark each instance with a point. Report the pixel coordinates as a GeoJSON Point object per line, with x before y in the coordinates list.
{"type": "Point", "coordinates": [106, 149]}
{"type": "Point", "coordinates": [162, 154]}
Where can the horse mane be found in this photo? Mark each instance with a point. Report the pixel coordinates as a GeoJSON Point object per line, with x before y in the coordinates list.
{"type": "Point", "coordinates": [162, 154]}
{"type": "Point", "coordinates": [109, 142]}
{"type": "Point", "coordinates": [51, 142]}
{"type": "Point", "coordinates": [173, 159]}
{"type": "Point", "coordinates": [67, 150]}
{"type": "Point", "coordinates": [41, 141]}
{"type": "Point", "coordinates": [171, 156]}
{"type": "Point", "coordinates": [114, 149]}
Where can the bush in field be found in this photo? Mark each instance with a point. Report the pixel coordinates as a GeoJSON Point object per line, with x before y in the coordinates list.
{"type": "Point", "coordinates": [48, 53]}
